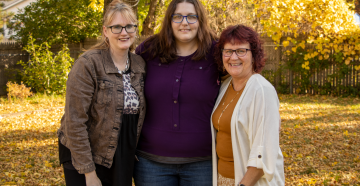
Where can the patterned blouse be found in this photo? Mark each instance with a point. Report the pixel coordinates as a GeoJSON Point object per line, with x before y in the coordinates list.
{"type": "Point", "coordinates": [131, 99]}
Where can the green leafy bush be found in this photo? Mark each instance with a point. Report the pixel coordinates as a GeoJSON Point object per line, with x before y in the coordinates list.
{"type": "Point", "coordinates": [56, 22]}
{"type": "Point", "coordinates": [46, 72]}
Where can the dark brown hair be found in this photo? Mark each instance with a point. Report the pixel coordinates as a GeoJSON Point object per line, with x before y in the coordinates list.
{"type": "Point", "coordinates": [163, 45]}
{"type": "Point", "coordinates": [241, 34]}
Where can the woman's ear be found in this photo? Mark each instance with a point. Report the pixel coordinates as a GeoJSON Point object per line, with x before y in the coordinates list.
{"type": "Point", "coordinates": [105, 31]}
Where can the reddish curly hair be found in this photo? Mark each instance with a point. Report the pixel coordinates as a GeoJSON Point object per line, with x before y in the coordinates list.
{"type": "Point", "coordinates": [237, 34]}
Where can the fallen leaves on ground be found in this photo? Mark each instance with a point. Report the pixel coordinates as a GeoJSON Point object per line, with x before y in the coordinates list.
{"type": "Point", "coordinates": [319, 140]}
{"type": "Point", "coordinates": [29, 149]}
{"type": "Point", "coordinates": [36, 102]}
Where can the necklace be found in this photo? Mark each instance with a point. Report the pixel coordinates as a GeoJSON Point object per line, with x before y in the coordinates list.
{"type": "Point", "coordinates": [222, 106]}
{"type": "Point", "coordinates": [126, 66]}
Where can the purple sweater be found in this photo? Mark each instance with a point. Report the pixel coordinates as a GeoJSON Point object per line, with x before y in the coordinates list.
{"type": "Point", "coordinates": [180, 97]}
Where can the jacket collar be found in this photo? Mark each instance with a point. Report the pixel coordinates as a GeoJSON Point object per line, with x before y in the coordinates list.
{"type": "Point", "coordinates": [110, 66]}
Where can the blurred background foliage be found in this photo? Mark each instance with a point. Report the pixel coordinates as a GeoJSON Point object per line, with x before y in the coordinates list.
{"type": "Point", "coordinates": [312, 35]}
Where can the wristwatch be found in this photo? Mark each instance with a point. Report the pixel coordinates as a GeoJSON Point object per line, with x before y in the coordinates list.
{"type": "Point", "coordinates": [240, 184]}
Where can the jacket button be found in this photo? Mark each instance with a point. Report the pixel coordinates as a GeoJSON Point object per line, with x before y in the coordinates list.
{"type": "Point", "coordinates": [200, 67]}
{"type": "Point", "coordinates": [175, 101]}
{"type": "Point", "coordinates": [159, 64]}
{"type": "Point", "coordinates": [175, 125]}
{"type": "Point", "coordinates": [259, 156]}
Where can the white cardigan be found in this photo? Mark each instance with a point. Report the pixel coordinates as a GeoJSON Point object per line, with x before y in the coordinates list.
{"type": "Point", "coordinates": [254, 132]}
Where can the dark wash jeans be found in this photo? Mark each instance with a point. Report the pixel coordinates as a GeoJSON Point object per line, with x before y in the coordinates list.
{"type": "Point", "coordinates": [151, 173]}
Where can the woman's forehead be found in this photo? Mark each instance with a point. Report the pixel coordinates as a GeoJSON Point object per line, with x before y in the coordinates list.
{"type": "Point", "coordinates": [121, 18]}
{"type": "Point", "coordinates": [238, 43]}
{"type": "Point", "coordinates": [185, 8]}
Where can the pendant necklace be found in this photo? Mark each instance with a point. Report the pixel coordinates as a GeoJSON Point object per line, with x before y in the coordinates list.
{"type": "Point", "coordinates": [126, 66]}
{"type": "Point", "coordinates": [222, 106]}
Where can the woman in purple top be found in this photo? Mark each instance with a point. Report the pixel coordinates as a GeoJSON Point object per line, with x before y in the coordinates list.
{"type": "Point", "coordinates": [180, 88]}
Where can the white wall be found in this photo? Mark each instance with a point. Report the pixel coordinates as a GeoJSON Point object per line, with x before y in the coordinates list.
{"type": "Point", "coordinates": [13, 6]}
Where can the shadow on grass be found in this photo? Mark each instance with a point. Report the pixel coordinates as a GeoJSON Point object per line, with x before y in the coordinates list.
{"type": "Point", "coordinates": [17, 136]}
{"type": "Point", "coordinates": [315, 99]}
{"type": "Point", "coordinates": [335, 115]}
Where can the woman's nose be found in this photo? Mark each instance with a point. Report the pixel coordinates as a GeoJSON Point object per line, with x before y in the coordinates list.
{"type": "Point", "coordinates": [184, 21]}
{"type": "Point", "coordinates": [234, 56]}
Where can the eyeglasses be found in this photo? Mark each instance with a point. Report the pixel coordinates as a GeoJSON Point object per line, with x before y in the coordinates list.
{"type": "Point", "coordinates": [191, 19]}
{"type": "Point", "coordinates": [240, 52]}
{"type": "Point", "coordinates": [115, 29]}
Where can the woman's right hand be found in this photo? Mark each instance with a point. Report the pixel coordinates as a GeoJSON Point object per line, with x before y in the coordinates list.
{"type": "Point", "coordinates": [92, 179]}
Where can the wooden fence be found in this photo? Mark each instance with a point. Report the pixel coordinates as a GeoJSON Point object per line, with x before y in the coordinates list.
{"type": "Point", "coordinates": [321, 81]}
{"type": "Point", "coordinates": [11, 53]}
{"type": "Point", "coordinates": [284, 80]}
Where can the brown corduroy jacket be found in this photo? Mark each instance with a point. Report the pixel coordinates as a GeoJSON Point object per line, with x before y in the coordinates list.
{"type": "Point", "coordinates": [94, 106]}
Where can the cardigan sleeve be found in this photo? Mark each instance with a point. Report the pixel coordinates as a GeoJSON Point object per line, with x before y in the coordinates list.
{"type": "Point", "coordinates": [264, 131]}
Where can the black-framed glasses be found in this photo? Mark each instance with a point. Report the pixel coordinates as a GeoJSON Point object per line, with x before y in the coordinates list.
{"type": "Point", "coordinates": [191, 19]}
{"type": "Point", "coordinates": [240, 52]}
{"type": "Point", "coordinates": [115, 29]}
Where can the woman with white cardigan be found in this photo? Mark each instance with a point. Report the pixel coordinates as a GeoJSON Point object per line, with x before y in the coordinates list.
{"type": "Point", "coordinates": [245, 120]}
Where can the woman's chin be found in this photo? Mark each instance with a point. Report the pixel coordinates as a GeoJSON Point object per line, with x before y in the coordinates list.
{"type": "Point", "coordinates": [123, 47]}
{"type": "Point", "coordinates": [235, 72]}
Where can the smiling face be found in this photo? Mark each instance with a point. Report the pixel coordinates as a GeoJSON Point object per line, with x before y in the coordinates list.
{"type": "Point", "coordinates": [185, 32]}
{"type": "Point", "coordinates": [121, 41]}
{"type": "Point", "coordinates": [238, 67]}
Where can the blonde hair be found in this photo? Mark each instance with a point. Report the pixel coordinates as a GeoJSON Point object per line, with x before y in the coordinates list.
{"type": "Point", "coordinates": [116, 6]}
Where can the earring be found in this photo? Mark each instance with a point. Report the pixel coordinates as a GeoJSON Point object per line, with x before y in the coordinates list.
{"type": "Point", "coordinates": [224, 70]}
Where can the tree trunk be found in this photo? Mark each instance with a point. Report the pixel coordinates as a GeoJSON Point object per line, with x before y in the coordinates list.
{"type": "Point", "coordinates": [357, 6]}
{"type": "Point", "coordinates": [149, 22]}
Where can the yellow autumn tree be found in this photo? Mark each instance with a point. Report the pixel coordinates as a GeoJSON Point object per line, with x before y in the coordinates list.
{"type": "Point", "coordinates": [329, 24]}
{"type": "Point", "coordinates": [97, 5]}
{"type": "Point", "coordinates": [223, 13]}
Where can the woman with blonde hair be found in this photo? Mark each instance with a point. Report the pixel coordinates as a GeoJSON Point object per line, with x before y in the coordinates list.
{"type": "Point", "coordinates": [105, 106]}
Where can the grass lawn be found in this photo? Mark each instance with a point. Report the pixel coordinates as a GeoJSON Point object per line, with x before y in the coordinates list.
{"type": "Point", "coordinates": [320, 138]}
